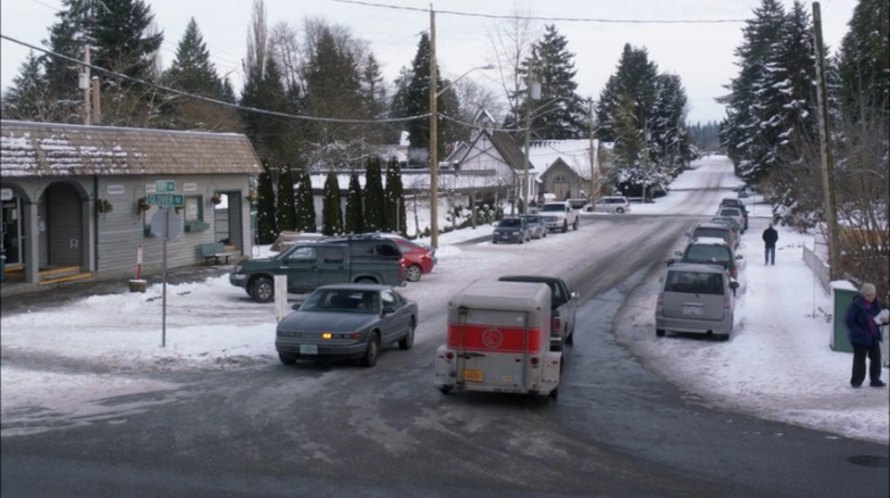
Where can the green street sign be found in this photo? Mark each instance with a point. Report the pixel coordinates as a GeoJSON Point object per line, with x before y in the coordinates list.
{"type": "Point", "coordinates": [165, 186]}
{"type": "Point", "coordinates": [166, 200]}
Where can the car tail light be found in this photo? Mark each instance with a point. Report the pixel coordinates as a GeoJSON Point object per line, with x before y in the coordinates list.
{"type": "Point", "coordinates": [555, 324]}
{"type": "Point", "coordinates": [659, 304]}
{"type": "Point", "coordinates": [727, 304]}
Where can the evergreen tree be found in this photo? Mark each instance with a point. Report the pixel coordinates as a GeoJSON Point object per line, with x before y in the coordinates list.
{"type": "Point", "coordinates": [305, 204]}
{"type": "Point", "coordinates": [373, 201]}
{"type": "Point", "coordinates": [394, 200]}
{"type": "Point", "coordinates": [265, 216]}
{"type": "Point", "coordinates": [412, 98]}
{"type": "Point", "coordinates": [68, 36]}
{"type": "Point", "coordinates": [354, 222]}
{"type": "Point", "coordinates": [286, 212]}
{"type": "Point", "coordinates": [669, 144]}
{"type": "Point", "coordinates": [739, 129]}
{"type": "Point", "coordinates": [27, 99]}
{"type": "Point", "coordinates": [560, 113]}
{"type": "Point", "coordinates": [865, 59]}
{"type": "Point", "coordinates": [330, 211]}
{"type": "Point", "coordinates": [629, 149]}
{"type": "Point", "coordinates": [635, 77]}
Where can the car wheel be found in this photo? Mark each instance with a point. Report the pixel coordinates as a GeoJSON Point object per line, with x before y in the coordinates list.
{"type": "Point", "coordinates": [287, 359]}
{"type": "Point", "coordinates": [659, 332]}
{"type": "Point", "coordinates": [262, 290]}
{"type": "Point", "coordinates": [445, 389]}
{"type": "Point", "coordinates": [575, 225]}
{"type": "Point", "coordinates": [544, 234]}
{"type": "Point", "coordinates": [620, 210]}
{"type": "Point", "coordinates": [494, 242]}
{"type": "Point", "coordinates": [373, 349]}
{"type": "Point", "coordinates": [522, 240]}
{"type": "Point", "coordinates": [565, 226]}
{"type": "Point", "coordinates": [554, 394]}
{"type": "Point", "coordinates": [570, 339]}
{"type": "Point", "coordinates": [414, 273]}
{"type": "Point", "coordinates": [408, 341]}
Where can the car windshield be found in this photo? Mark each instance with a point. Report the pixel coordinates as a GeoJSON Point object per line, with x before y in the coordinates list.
{"type": "Point", "coordinates": [532, 219]}
{"type": "Point", "coordinates": [553, 207]}
{"type": "Point", "coordinates": [709, 232]}
{"type": "Point", "coordinates": [730, 212]}
{"type": "Point", "coordinates": [706, 253]}
{"type": "Point", "coordinates": [345, 300]}
{"type": "Point", "coordinates": [510, 222]}
{"type": "Point", "coordinates": [689, 282]}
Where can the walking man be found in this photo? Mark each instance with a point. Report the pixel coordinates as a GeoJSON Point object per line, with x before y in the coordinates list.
{"type": "Point", "coordinates": [770, 236]}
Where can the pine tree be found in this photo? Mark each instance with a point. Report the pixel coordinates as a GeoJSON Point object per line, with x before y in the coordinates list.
{"type": "Point", "coordinates": [305, 204]}
{"type": "Point", "coordinates": [560, 113]}
{"type": "Point", "coordinates": [394, 200]}
{"type": "Point", "coordinates": [287, 213]}
{"type": "Point", "coordinates": [27, 99]}
{"type": "Point", "coordinates": [68, 37]}
{"type": "Point", "coordinates": [865, 59]}
{"type": "Point", "coordinates": [635, 77]}
{"type": "Point", "coordinates": [629, 148]}
{"type": "Point", "coordinates": [669, 145]}
{"type": "Point", "coordinates": [330, 211]}
{"type": "Point", "coordinates": [265, 217]}
{"type": "Point", "coordinates": [373, 201]}
{"type": "Point", "coordinates": [412, 98]}
{"type": "Point", "coordinates": [354, 222]}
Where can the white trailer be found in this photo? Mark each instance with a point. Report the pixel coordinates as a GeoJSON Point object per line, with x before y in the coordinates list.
{"type": "Point", "coordinates": [499, 341]}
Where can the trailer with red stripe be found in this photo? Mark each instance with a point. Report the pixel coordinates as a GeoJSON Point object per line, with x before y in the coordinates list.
{"type": "Point", "coordinates": [499, 341]}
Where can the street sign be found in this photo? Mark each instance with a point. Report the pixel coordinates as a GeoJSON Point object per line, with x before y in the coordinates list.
{"type": "Point", "coordinates": [165, 200]}
{"type": "Point", "coordinates": [165, 186]}
{"type": "Point", "coordinates": [166, 224]}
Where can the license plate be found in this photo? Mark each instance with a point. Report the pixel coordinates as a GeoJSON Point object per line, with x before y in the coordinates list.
{"type": "Point", "coordinates": [472, 375]}
{"type": "Point", "coordinates": [308, 349]}
{"type": "Point", "coordinates": [693, 310]}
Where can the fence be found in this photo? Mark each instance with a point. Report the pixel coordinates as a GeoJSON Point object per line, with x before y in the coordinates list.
{"type": "Point", "coordinates": [818, 266]}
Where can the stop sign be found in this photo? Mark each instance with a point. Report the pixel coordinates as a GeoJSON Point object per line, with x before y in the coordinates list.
{"type": "Point", "coordinates": [167, 224]}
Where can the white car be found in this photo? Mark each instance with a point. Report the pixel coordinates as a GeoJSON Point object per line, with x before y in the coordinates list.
{"type": "Point", "coordinates": [612, 204]}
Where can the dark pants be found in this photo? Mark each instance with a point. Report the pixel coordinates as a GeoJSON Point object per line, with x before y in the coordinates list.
{"type": "Point", "coordinates": [770, 255]}
{"type": "Point", "coordinates": [874, 367]}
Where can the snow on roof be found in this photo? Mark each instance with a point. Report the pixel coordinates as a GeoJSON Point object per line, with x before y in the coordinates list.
{"type": "Point", "coordinates": [575, 153]}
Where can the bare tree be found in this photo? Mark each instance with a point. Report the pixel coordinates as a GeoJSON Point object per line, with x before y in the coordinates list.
{"type": "Point", "coordinates": [511, 42]}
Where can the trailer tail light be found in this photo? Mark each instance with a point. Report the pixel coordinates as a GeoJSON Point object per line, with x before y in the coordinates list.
{"type": "Point", "coordinates": [449, 356]}
{"type": "Point", "coordinates": [534, 361]}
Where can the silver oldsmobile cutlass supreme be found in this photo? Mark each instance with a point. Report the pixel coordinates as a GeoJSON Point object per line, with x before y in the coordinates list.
{"type": "Point", "coordinates": [347, 321]}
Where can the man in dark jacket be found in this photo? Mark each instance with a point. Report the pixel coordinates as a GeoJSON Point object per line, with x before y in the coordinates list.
{"type": "Point", "coordinates": [865, 336]}
{"type": "Point", "coordinates": [770, 236]}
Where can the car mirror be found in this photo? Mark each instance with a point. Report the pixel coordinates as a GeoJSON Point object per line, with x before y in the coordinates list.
{"type": "Point", "coordinates": [678, 254]}
{"type": "Point", "coordinates": [733, 285]}
{"type": "Point", "coordinates": [670, 261]}
{"type": "Point", "coordinates": [296, 306]}
{"type": "Point", "coordinates": [388, 308]}
{"type": "Point", "coordinates": [738, 257]}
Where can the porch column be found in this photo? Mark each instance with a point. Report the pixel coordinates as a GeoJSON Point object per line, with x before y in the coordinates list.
{"type": "Point", "coordinates": [88, 228]}
{"type": "Point", "coordinates": [31, 253]}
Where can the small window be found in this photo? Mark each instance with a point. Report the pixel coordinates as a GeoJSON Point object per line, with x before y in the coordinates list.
{"type": "Point", "coordinates": [333, 254]}
{"type": "Point", "coordinates": [302, 254]}
{"type": "Point", "coordinates": [389, 299]}
{"type": "Point", "coordinates": [194, 211]}
{"type": "Point", "coordinates": [688, 282]}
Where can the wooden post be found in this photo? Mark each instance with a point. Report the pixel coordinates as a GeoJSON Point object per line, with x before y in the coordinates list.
{"type": "Point", "coordinates": [434, 138]}
{"type": "Point", "coordinates": [834, 260]}
{"type": "Point", "coordinates": [84, 84]}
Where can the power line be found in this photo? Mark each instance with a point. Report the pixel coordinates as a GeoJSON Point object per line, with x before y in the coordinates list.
{"type": "Point", "coordinates": [211, 100]}
{"type": "Point", "coordinates": [544, 18]}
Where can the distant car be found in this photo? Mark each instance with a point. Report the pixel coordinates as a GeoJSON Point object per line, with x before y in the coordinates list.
{"type": "Point", "coordinates": [511, 229]}
{"type": "Point", "coordinates": [347, 321]}
{"type": "Point", "coordinates": [536, 226]}
{"type": "Point", "coordinates": [419, 258]}
{"type": "Point", "coordinates": [559, 215]}
{"type": "Point", "coordinates": [612, 204]}
{"type": "Point", "coordinates": [734, 213]}
{"type": "Point", "coordinates": [709, 251]}
{"type": "Point", "coordinates": [732, 202]}
{"type": "Point", "coordinates": [719, 230]}
{"type": "Point", "coordinates": [730, 222]}
{"type": "Point", "coordinates": [695, 298]}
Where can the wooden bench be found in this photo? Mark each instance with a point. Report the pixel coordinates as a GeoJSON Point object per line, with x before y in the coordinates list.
{"type": "Point", "coordinates": [214, 251]}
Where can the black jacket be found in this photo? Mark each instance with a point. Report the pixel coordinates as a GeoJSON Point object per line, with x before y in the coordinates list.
{"type": "Point", "coordinates": [770, 236]}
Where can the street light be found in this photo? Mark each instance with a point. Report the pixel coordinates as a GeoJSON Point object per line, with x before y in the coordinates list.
{"type": "Point", "coordinates": [434, 135]}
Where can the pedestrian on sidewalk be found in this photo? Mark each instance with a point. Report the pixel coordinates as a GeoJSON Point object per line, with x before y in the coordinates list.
{"type": "Point", "coordinates": [770, 236]}
{"type": "Point", "coordinates": [863, 328]}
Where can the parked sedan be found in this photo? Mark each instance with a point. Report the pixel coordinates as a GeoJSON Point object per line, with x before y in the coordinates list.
{"type": "Point", "coordinates": [347, 321]}
{"type": "Point", "coordinates": [419, 258]}
{"type": "Point", "coordinates": [511, 229]}
{"type": "Point", "coordinates": [536, 227]}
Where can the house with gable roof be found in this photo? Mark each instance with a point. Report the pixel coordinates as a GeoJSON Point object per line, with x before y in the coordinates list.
{"type": "Point", "coordinates": [567, 165]}
{"type": "Point", "coordinates": [75, 198]}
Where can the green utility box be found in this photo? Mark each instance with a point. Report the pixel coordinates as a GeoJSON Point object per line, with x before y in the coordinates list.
{"type": "Point", "coordinates": [843, 293]}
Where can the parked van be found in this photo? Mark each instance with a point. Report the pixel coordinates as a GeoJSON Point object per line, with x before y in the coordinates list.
{"type": "Point", "coordinates": [499, 341]}
{"type": "Point", "coordinates": [695, 298]}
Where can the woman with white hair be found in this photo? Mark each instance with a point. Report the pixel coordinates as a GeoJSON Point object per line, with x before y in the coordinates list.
{"type": "Point", "coordinates": [863, 328]}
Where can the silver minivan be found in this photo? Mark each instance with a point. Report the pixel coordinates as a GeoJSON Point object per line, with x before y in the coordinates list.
{"type": "Point", "coordinates": [697, 299]}
{"type": "Point", "coordinates": [612, 204]}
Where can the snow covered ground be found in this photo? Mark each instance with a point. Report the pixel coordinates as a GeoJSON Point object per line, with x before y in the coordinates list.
{"type": "Point", "coordinates": [777, 365]}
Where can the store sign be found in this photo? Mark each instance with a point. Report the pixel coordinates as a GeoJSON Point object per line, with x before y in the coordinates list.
{"type": "Point", "coordinates": [189, 187]}
{"type": "Point", "coordinates": [115, 189]}
{"type": "Point", "coordinates": [6, 194]}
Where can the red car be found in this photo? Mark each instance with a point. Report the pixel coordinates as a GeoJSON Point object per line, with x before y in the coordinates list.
{"type": "Point", "coordinates": [419, 258]}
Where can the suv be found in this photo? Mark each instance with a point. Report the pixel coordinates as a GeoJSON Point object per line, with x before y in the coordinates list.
{"type": "Point", "coordinates": [559, 216]}
{"type": "Point", "coordinates": [710, 251]}
{"type": "Point", "coordinates": [562, 308]}
{"type": "Point", "coordinates": [612, 204]}
{"type": "Point", "coordinates": [367, 259]}
{"type": "Point", "coordinates": [731, 202]}
{"type": "Point", "coordinates": [738, 214]}
{"type": "Point", "coordinates": [695, 298]}
{"type": "Point", "coordinates": [511, 229]}
{"type": "Point", "coordinates": [714, 229]}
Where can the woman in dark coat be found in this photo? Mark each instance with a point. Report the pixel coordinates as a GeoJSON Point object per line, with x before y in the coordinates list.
{"type": "Point", "coordinates": [865, 336]}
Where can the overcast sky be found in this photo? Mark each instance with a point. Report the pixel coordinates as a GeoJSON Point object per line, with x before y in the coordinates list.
{"type": "Point", "coordinates": [701, 53]}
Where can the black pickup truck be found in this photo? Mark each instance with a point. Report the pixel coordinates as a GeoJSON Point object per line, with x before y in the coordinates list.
{"type": "Point", "coordinates": [562, 302]}
{"type": "Point", "coordinates": [312, 264]}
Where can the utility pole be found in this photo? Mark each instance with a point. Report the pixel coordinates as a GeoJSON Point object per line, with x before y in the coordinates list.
{"type": "Point", "coordinates": [834, 260]}
{"type": "Point", "coordinates": [594, 171]}
{"type": "Point", "coordinates": [84, 84]}
{"type": "Point", "coordinates": [97, 102]}
{"type": "Point", "coordinates": [434, 138]}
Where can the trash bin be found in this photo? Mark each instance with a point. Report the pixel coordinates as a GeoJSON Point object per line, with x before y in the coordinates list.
{"type": "Point", "coordinates": [843, 293]}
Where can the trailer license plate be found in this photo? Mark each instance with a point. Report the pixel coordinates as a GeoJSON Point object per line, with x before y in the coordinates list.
{"type": "Point", "coordinates": [308, 349]}
{"type": "Point", "coordinates": [693, 310]}
{"type": "Point", "coordinates": [472, 375]}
